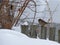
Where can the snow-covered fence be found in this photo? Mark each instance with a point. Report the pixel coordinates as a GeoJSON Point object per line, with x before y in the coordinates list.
{"type": "Point", "coordinates": [41, 32]}
{"type": "Point", "coordinates": [29, 32]}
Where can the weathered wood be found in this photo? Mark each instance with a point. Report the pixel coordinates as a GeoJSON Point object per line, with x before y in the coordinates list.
{"type": "Point", "coordinates": [43, 32]}
{"type": "Point", "coordinates": [52, 33]}
{"type": "Point", "coordinates": [59, 36]}
{"type": "Point", "coordinates": [31, 33]}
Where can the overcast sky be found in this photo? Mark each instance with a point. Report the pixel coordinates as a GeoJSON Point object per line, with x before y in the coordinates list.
{"type": "Point", "coordinates": [45, 16]}
{"type": "Point", "coordinates": [54, 5]}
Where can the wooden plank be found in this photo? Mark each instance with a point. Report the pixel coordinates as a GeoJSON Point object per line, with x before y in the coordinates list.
{"type": "Point", "coordinates": [52, 33]}
{"type": "Point", "coordinates": [43, 32]}
{"type": "Point", "coordinates": [59, 36]}
{"type": "Point", "coordinates": [33, 31]}
{"type": "Point", "coordinates": [24, 28]}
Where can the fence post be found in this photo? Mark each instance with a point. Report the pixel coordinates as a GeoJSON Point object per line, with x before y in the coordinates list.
{"type": "Point", "coordinates": [59, 36]}
{"type": "Point", "coordinates": [52, 33]}
{"type": "Point", "coordinates": [43, 32]}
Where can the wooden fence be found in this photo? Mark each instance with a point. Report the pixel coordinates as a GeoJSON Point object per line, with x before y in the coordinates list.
{"type": "Point", "coordinates": [52, 33]}
{"type": "Point", "coordinates": [43, 33]}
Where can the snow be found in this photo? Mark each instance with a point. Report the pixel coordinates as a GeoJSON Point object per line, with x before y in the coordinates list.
{"type": "Point", "coordinates": [25, 23]}
{"type": "Point", "coordinates": [17, 28]}
{"type": "Point", "coordinates": [10, 37]}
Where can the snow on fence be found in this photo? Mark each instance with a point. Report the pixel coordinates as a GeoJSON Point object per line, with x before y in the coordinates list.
{"type": "Point", "coordinates": [42, 32]}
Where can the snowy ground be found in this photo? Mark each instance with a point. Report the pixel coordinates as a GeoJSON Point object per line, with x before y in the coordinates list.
{"type": "Point", "coordinates": [10, 37]}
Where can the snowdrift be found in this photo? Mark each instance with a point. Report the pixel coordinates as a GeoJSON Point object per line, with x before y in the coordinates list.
{"type": "Point", "coordinates": [10, 37]}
